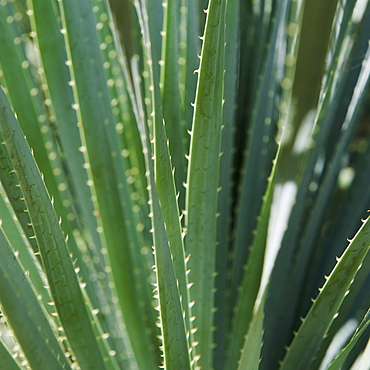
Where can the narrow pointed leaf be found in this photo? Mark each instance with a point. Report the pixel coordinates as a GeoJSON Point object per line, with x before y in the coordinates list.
{"type": "Point", "coordinates": [342, 356]}
{"type": "Point", "coordinates": [170, 91]}
{"type": "Point", "coordinates": [322, 313]}
{"type": "Point", "coordinates": [168, 246]}
{"type": "Point", "coordinates": [251, 282]}
{"type": "Point", "coordinates": [202, 181]}
{"type": "Point", "coordinates": [113, 200]}
{"type": "Point", "coordinates": [6, 359]}
{"type": "Point", "coordinates": [24, 313]}
{"type": "Point", "coordinates": [251, 351]}
{"type": "Point", "coordinates": [63, 281]}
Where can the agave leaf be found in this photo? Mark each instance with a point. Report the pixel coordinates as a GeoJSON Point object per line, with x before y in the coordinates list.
{"type": "Point", "coordinates": [251, 351]}
{"type": "Point", "coordinates": [343, 76]}
{"type": "Point", "coordinates": [312, 56]}
{"type": "Point", "coordinates": [129, 142]}
{"type": "Point", "coordinates": [174, 336]}
{"type": "Point", "coordinates": [35, 121]}
{"type": "Point", "coordinates": [26, 316]}
{"type": "Point", "coordinates": [21, 247]}
{"type": "Point", "coordinates": [342, 356]}
{"type": "Point", "coordinates": [365, 357]}
{"type": "Point", "coordinates": [260, 149]}
{"type": "Point", "coordinates": [189, 50]}
{"type": "Point", "coordinates": [359, 80]}
{"type": "Point", "coordinates": [289, 276]}
{"type": "Point", "coordinates": [251, 282]}
{"type": "Point", "coordinates": [325, 307]}
{"type": "Point", "coordinates": [127, 132]}
{"type": "Point", "coordinates": [10, 184]}
{"type": "Point", "coordinates": [171, 104]}
{"type": "Point", "coordinates": [155, 22]}
{"type": "Point", "coordinates": [63, 281]}
{"type": "Point", "coordinates": [6, 359]}
{"type": "Point", "coordinates": [45, 20]}
{"type": "Point", "coordinates": [354, 202]}
{"type": "Point", "coordinates": [27, 102]}
{"type": "Point", "coordinates": [354, 303]}
{"type": "Point", "coordinates": [168, 245]}
{"type": "Point", "coordinates": [232, 40]}
{"type": "Point", "coordinates": [53, 55]}
{"type": "Point", "coordinates": [167, 180]}
{"type": "Point", "coordinates": [252, 218]}
{"type": "Point", "coordinates": [176, 349]}
{"type": "Point", "coordinates": [107, 121]}
{"type": "Point", "coordinates": [202, 181]}
{"type": "Point", "coordinates": [114, 202]}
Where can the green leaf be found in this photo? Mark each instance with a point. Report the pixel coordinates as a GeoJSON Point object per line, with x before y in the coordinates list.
{"type": "Point", "coordinates": [224, 222]}
{"type": "Point", "coordinates": [14, 193]}
{"type": "Point", "coordinates": [260, 150]}
{"type": "Point", "coordinates": [29, 261]}
{"type": "Point", "coordinates": [24, 314]}
{"type": "Point", "coordinates": [54, 56]}
{"type": "Point", "coordinates": [202, 181]}
{"type": "Point", "coordinates": [168, 244]}
{"type": "Point", "coordinates": [251, 281]}
{"type": "Point", "coordinates": [27, 102]}
{"type": "Point", "coordinates": [325, 307]}
{"type": "Point", "coordinates": [189, 51]}
{"type": "Point", "coordinates": [291, 283]}
{"type": "Point", "coordinates": [114, 202]}
{"type": "Point", "coordinates": [342, 356]}
{"type": "Point", "coordinates": [63, 281]}
{"type": "Point", "coordinates": [365, 357]}
{"type": "Point", "coordinates": [169, 153]}
{"type": "Point", "coordinates": [251, 351]}
{"type": "Point", "coordinates": [6, 359]}
{"type": "Point", "coordinates": [170, 90]}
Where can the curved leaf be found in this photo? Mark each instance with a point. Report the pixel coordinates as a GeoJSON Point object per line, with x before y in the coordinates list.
{"type": "Point", "coordinates": [63, 281]}
{"type": "Point", "coordinates": [315, 325]}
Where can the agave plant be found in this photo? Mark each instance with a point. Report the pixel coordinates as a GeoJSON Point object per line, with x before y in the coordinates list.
{"type": "Point", "coordinates": [175, 184]}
